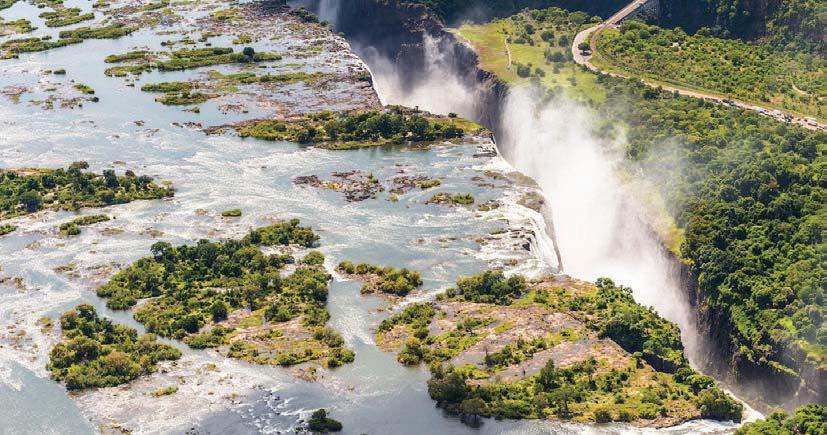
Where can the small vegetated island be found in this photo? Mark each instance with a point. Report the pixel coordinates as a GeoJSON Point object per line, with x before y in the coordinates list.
{"type": "Point", "coordinates": [556, 348]}
{"type": "Point", "coordinates": [237, 297]}
{"type": "Point", "coordinates": [385, 280]}
{"type": "Point", "coordinates": [394, 125]}
{"type": "Point", "coordinates": [72, 228]}
{"type": "Point", "coordinates": [11, 48]}
{"type": "Point", "coordinates": [94, 352]}
{"type": "Point", "coordinates": [25, 191]}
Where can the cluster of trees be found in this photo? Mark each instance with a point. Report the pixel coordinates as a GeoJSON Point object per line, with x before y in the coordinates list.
{"type": "Point", "coordinates": [385, 279]}
{"type": "Point", "coordinates": [95, 352]}
{"type": "Point", "coordinates": [638, 329]}
{"type": "Point", "coordinates": [491, 287]}
{"type": "Point", "coordinates": [806, 420]}
{"type": "Point", "coordinates": [416, 316]}
{"type": "Point", "coordinates": [182, 272]}
{"type": "Point", "coordinates": [198, 286]}
{"type": "Point", "coordinates": [391, 126]}
{"type": "Point", "coordinates": [731, 67]}
{"type": "Point", "coordinates": [71, 189]}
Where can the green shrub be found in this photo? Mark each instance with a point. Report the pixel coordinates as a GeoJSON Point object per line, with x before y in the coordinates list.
{"type": "Point", "coordinates": [718, 405]}
{"type": "Point", "coordinates": [320, 422]}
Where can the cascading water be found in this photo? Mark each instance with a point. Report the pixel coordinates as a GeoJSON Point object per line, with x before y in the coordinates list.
{"type": "Point", "coordinates": [600, 231]}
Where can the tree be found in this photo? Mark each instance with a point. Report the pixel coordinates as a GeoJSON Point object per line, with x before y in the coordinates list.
{"type": "Point", "coordinates": [320, 422]}
{"type": "Point", "coordinates": [110, 179]}
{"type": "Point", "coordinates": [81, 165]}
{"type": "Point", "coordinates": [583, 46]}
{"type": "Point", "coordinates": [471, 410]}
{"type": "Point", "coordinates": [590, 366]}
{"type": "Point", "coordinates": [218, 311]}
{"type": "Point", "coordinates": [548, 378]}
{"type": "Point", "coordinates": [718, 405]}
{"type": "Point", "coordinates": [31, 200]}
{"type": "Point", "coordinates": [447, 388]}
{"type": "Point", "coordinates": [561, 397]}
{"type": "Point", "coordinates": [249, 52]}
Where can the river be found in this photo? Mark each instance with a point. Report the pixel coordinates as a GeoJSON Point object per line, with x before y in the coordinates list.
{"type": "Point", "coordinates": [374, 394]}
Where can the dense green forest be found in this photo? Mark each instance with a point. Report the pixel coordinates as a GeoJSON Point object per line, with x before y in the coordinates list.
{"type": "Point", "coordinates": [784, 24]}
{"type": "Point", "coordinates": [94, 352]}
{"type": "Point", "coordinates": [749, 192]}
{"type": "Point", "coordinates": [30, 190]}
{"type": "Point", "coordinates": [789, 80]}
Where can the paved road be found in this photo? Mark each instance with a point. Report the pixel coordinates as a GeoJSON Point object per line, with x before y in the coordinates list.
{"type": "Point", "coordinates": [583, 59]}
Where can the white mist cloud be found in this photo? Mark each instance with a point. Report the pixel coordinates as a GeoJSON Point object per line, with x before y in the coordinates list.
{"type": "Point", "coordinates": [438, 89]}
{"type": "Point", "coordinates": [600, 228]}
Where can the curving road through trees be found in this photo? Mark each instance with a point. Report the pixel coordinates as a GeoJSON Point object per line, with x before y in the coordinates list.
{"type": "Point", "coordinates": [584, 57]}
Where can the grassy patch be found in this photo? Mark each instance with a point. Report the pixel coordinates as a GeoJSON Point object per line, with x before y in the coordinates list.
{"type": "Point", "coordinates": [534, 46]}
{"type": "Point", "coordinates": [452, 199]}
{"type": "Point", "coordinates": [65, 16]}
{"type": "Point", "coordinates": [17, 26]}
{"type": "Point", "coordinates": [165, 391]}
{"type": "Point", "coordinates": [84, 89]}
